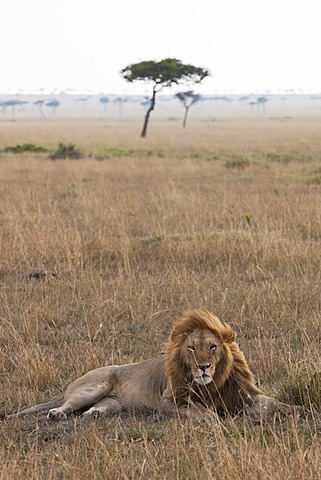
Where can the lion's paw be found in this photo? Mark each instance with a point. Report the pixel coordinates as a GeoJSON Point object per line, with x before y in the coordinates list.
{"type": "Point", "coordinates": [93, 412]}
{"type": "Point", "coordinates": [56, 414]}
{"type": "Point", "coordinates": [200, 416]}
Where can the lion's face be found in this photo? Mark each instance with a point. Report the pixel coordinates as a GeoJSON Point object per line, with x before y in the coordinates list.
{"type": "Point", "coordinates": [201, 351]}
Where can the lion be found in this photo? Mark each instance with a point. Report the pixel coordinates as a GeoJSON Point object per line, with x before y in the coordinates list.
{"type": "Point", "coordinates": [202, 374]}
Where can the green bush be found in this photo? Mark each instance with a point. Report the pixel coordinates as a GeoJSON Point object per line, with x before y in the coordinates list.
{"type": "Point", "coordinates": [66, 151]}
{"type": "Point", "coordinates": [26, 147]}
{"type": "Point", "coordinates": [314, 180]}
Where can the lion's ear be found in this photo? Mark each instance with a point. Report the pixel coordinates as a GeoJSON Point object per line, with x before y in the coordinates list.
{"type": "Point", "coordinates": [176, 337]}
{"type": "Point", "coordinates": [228, 334]}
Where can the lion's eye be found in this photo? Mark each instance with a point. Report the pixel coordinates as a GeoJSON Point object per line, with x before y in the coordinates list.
{"type": "Point", "coordinates": [213, 348]}
{"type": "Point", "coordinates": [191, 348]}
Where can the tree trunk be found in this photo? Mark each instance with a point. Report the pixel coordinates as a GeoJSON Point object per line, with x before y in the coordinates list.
{"type": "Point", "coordinates": [149, 111]}
{"type": "Point", "coordinates": [185, 117]}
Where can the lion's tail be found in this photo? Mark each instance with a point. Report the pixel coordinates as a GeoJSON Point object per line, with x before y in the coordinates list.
{"type": "Point", "coordinates": [42, 407]}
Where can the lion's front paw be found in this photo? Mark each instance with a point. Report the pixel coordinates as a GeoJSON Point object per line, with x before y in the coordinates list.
{"type": "Point", "coordinates": [56, 414]}
{"type": "Point", "coordinates": [265, 407]}
{"type": "Point", "coordinates": [202, 415]}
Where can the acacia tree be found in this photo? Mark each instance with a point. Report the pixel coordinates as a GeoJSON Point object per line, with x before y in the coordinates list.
{"type": "Point", "coordinates": [104, 101]}
{"type": "Point", "coordinates": [162, 74]}
{"type": "Point", "coordinates": [13, 104]}
{"type": "Point", "coordinates": [261, 101]}
{"type": "Point", "coordinates": [40, 104]}
{"type": "Point", "coordinates": [120, 101]}
{"type": "Point", "coordinates": [188, 99]}
{"type": "Point", "coordinates": [54, 104]}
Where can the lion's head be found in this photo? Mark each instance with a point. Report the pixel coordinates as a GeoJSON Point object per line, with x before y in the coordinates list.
{"type": "Point", "coordinates": [204, 363]}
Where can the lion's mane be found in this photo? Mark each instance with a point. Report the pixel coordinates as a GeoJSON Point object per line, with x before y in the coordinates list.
{"type": "Point", "coordinates": [233, 385]}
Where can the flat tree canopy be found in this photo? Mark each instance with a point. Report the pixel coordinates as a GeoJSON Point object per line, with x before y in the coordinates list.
{"type": "Point", "coordinates": [164, 73]}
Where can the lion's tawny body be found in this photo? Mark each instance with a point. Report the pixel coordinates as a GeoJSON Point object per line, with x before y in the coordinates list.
{"type": "Point", "coordinates": [202, 373]}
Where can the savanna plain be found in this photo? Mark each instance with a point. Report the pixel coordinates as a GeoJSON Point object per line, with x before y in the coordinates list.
{"type": "Point", "coordinates": [100, 254]}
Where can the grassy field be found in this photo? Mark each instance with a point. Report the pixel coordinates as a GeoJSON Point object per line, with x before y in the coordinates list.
{"type": "Point", "coordinates": [226, 216]}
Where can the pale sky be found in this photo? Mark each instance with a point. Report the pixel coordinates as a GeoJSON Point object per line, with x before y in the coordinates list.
{"type": "Point", "coordinates": [248, 45]}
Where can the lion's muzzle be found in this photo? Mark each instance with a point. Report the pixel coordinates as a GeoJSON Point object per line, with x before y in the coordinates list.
{"type": "Point", "coordinates": [203, 374]}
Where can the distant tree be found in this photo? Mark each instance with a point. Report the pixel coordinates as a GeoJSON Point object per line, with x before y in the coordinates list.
{"type": "Point", "coordinates": [82, 100]}
{"type": "Point", "coordinates": [40, 104]}
{"type": "Point", "coordinates": [252, 104]}
{"type": "Point", "coordinates": [220, 100]}
{"type": "Point", "coordinates": [104, 101]}
{"type": "Point", "coordinates": [120, 102]}
{"type": "Point", "coordinates": [54, 104]}
{"type": "Point", "coordinates": [162, 74]}
{"type": "Point", "coordinates": [13, 104]}
{"type": "Point", "coordinates": [3, 105]}
{"type": "Point", "coordinates": [261, 101]}
{"type": "Point", "coordinates": [187, 99]}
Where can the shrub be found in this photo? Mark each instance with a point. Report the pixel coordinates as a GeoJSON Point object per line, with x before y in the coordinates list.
{"type": "Point", "coordinates": [237, 163]}
{"type": "Point", "coordinates": [66, 151]}
{"type": "Point", "coordinates": [314, 180]}
{"type": "Point", "coordinates": [26, 147]}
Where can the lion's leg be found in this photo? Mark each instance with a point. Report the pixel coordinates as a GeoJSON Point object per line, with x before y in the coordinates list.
{"type": "Point", "coordinates": [78, 399]}
{"type": "Point", "coordinates": [193, 410]}
{"type": "Point", "coordinates": [197, 411]}
{"type": "Point", "coordinates": [105, 406]}
{"type": "Point", "coordinates": [263, 406]}
{"type": "Point", "coordinates": [259, 406]}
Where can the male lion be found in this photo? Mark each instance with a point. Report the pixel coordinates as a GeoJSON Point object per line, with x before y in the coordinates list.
{"type": "Point", "coordinates": [202, 373]}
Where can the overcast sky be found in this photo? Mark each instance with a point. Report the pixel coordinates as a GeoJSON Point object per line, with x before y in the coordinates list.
{"type": "Point", "coordinates": [248, 45]}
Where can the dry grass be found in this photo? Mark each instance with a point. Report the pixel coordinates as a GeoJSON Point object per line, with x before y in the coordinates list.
{"type": "Point", "coordinates": [221, 217]}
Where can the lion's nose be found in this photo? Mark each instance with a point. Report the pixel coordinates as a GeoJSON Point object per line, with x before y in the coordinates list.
{"type": "Point", "coordinates": [204, 367]}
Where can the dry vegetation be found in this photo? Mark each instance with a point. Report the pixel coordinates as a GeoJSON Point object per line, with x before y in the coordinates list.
{"type": "Point", "coordinates": [224, 216]}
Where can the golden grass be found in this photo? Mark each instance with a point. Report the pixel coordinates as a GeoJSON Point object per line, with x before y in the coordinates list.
{"type": "Point", "coordinates": [220, 216]}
